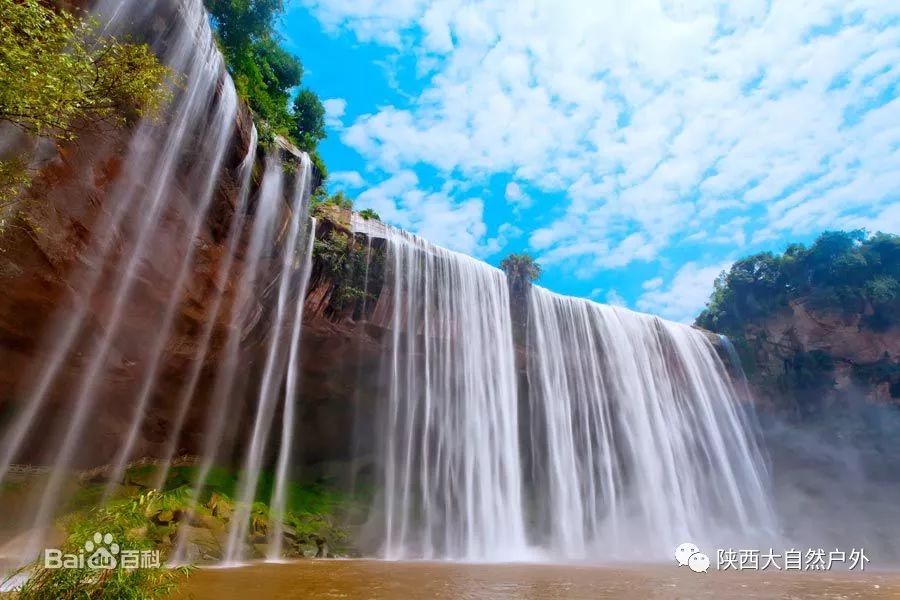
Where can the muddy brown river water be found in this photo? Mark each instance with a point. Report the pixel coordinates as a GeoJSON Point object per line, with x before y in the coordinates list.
{"type": "Point", "coordinates": [379, 580]}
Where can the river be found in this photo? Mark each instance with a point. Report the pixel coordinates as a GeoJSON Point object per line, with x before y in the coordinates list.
{"type": "Point", "coordinates": [410, 580]}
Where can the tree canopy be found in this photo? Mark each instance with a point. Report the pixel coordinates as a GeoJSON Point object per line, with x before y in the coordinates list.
{"type": "Point", "coordinates": [842, 271]}
{"type": "Point", "coordinates": [309, 120]}
{"type": "Point", "coordinates": [521, 268]}
{"type": "Point", "coordinates": [265, 74]}
{"type": "Point", "coordinates": [59, 74]}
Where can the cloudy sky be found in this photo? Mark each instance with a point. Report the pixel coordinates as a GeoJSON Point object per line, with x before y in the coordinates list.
{"type": "Point", "coordinates": [636, 147]}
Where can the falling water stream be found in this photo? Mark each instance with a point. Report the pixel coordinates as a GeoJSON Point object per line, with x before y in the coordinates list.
{"type": "Point", "coordinates": [451, 454]}
{"type": "Point", "coordinates": [279, 351]}
{"type": "Point", "coordinates": [627, 437]}
{"type": "Point", "coordinates": [637, 435]}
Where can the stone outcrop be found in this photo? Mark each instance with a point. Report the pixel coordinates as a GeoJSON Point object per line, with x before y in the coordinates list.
{"type": "Point", "coordinates": [848, 355]}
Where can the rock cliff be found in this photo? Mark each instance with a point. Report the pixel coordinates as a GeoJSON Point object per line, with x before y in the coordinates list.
{"type": "Point", "coordinates": [815, 356]}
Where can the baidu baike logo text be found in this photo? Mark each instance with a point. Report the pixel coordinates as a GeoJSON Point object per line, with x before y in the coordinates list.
{"type": "Point", "coordinates": [101, 552]}
{"type": "Point", "coordinates": [811, 559]}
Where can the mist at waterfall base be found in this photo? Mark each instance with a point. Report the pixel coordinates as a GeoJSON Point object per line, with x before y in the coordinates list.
{"type": "Point", "coordinates": [836, 476]}
{"type": "Point", "coordinates": [599, 435]}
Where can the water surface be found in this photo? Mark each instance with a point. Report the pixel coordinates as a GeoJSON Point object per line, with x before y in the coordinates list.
{"type": "Point", "coordinates": [381, 580]}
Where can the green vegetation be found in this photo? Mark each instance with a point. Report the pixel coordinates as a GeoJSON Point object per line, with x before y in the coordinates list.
{"type": "Point", "coordinates": [265, 74]}
{"type": "Point", "coordinates": [368, 213]}
{"type": "Point", "coordinates": [521, 268]}
{"type": "Point", "coordinates": [339, 199]}
{"type": "Point", "coordinates": [309, 120]}
{"type": "Point", "coordinates": [315, 497]}
{"type": "Point", "coordinates": [126, 521]}
{"type": "Point", "coordinates": [142, 518]}
{"type": "Point", "coordinates": [352, 267]}
{"type": "Point", "coordinates": [59, 74]}
{"type": "Point", "coordinates": [322, 201]}
{"type": "Point", "coordinates": [843, 272]}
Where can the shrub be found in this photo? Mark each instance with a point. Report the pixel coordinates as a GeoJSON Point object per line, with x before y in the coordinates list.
{"type": "Point", "coordinates": [59, 74]}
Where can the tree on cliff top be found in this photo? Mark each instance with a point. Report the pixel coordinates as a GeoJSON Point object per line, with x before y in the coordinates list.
{"type": "Point", "coordinates": [840, 273]}
{"type": "Point", "coordinates": [521, 268]}
{"type": "Point", "coordinates": [263, 72]}
{"type": "Point", "coordinates": [845, 272]}
{"type": "Point", "coordinates": [309, 120]}
{"type": "Point", "coordinates": [59, 74]}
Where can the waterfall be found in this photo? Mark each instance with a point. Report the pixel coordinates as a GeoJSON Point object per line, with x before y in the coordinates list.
{"type": "Point", "coordinates": [291, 394]}
{"type": "Point", "coordinates": [200, 115]}
{"type": "Point", "coordinates": [637, 439]}
{"type": "Point", "coordinates": [452, 473]}
{"type": "Point", "coordinates": [277, 361]}
{"type": "Point", "coordinates": [623, 437]}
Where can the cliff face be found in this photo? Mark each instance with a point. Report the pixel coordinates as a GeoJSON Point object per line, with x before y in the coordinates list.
{"type": "Point", "coordinates": [46, 252]}
{"type": "Point", "coordinates": [53, 275]}
{"type": "Point", "coordinates": [814, 357]}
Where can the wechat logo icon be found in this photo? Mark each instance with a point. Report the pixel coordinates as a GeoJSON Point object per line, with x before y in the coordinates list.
{"type": "Point", "coordinates": [689, 555]}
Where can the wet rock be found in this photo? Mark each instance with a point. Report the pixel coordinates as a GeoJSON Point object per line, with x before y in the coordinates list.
{"type": "Point", "coordinates": [220, 506]}
{"type": "Point", "coordinates": [210, 522]}
{"type": "Point", "coordinates": [201, 544]}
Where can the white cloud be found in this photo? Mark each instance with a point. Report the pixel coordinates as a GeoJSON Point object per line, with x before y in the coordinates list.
{"type": "Point", "coordinates": [515, 196]}
{"type": "Point", "coordinates": [652, 284]}
{"type": "Point", "coordinates": [334, 111]}
{"type": "Point", "coordinates": [685, 295]}
{"type": "Point", "coordinates": [454, 224]}
{"type": "Point", "coordinates": [371, 20]}
{"type": "Point", "coordinates": [653, 117]}
{"type": "Point", "coordinates": [347, 179]}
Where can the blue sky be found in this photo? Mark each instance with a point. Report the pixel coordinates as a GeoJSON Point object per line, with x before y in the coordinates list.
{"type": "Point", "coordinates": [635, 148]}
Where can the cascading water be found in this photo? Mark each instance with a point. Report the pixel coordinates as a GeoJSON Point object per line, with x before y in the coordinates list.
{"type": "Point", "coordinates": [451, 460]}
{"type": "Point", "coordinates": [612, 435]}
{"type": "Point", "coordinates": [198, 113]}
{"type": "Point", "coordinates": [288, 419]}
{"type": "Point", "coordinates": [637, 441]}
{"type": "Point", "coordinates": [632, 438]}
{"type": "Point", "coordinates": [281, 350]}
